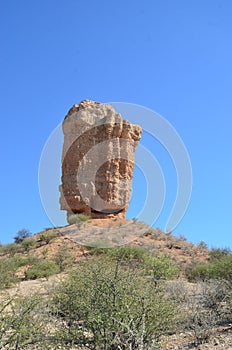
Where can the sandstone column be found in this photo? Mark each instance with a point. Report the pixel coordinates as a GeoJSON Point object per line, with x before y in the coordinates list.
{"type": "Point", "coordinates": [97, 160]}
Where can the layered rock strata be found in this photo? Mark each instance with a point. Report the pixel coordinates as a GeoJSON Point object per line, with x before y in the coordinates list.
{"type": "Point", "coordinates": [97, 160]}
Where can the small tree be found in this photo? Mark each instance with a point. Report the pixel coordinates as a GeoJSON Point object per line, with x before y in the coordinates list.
{"type": "Point", "coordinates": [19, 237]}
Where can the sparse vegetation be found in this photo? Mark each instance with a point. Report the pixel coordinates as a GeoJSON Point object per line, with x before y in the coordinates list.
{"type": "Point", "coordinates": [203, 306]}
{"type": "Point", "coordinates": [182, 237]}
{"type": "Point", "coordinates": [10, 249]}
{"type": "Point", "coordinates": [202, 245]}
{"type": "Point", "coordinates": [219, 253]}
{"type": "Point", "coordinates": [47, 236]}
{"type": "Point", "coordinates": [78, 218]}
{"type": "Point", "coordinates": [128, 297]}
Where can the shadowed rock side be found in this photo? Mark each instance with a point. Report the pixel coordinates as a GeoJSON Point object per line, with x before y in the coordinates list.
{"type": "Point", "coordinates": [97, 160]}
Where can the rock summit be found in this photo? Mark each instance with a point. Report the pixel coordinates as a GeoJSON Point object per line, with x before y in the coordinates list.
{"type": "Point", "coordinates": [97, 160]}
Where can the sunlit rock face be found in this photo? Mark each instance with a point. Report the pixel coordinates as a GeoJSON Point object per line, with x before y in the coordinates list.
{"type": "Point", "coordinates": [97, 160]}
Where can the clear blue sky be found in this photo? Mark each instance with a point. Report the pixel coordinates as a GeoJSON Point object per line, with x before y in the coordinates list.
{"type": "Point", "coordinates": [174, 57]}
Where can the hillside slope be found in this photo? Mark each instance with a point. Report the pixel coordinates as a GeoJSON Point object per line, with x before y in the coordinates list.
{"type": "Point", "coordinates": [37, 264]}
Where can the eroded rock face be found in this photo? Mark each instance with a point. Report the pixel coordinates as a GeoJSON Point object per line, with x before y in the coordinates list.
{"type": "Point", "coordinates": [97, 160]}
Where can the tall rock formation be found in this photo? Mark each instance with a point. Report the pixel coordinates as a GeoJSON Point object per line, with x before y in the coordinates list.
{"type": "Point", "coordinates": [97, 160]}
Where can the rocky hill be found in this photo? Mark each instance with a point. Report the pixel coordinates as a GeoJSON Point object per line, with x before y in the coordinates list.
{"type": "Point", "coordinates": [36, 264]}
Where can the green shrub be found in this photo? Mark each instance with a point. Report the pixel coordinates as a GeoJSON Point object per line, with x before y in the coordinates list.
{"type": "Point", "coordinates": [10, 249]}
{"type": "Point", "coordinates": [127, 253]}
{"type": "Point", "coordinates": [8, 269]}
{"type": "Point", "coordinates": [104, 304]}
{"type": "Point", "coordinates": [108, 305]}
{"type": "Point", "coordinates": [135, 255]}
{"type": "Point", "coordinates": [77, 218]}
{"type": "Point", "coordinates": [41, 269]}
{"type": "Point", "coordinates": [28, 243]}
{"type": "Point", "coordinates": [63, 258]}
{"type": "Point", "coordinates": [20, 260]}
{"type": "Point", "coordinates": [164, 267]}
{"type": "Point", "coordinates": [218, 253]}
{"type": "Point", "coordinates": [24, 323]}
{"type": "Point", "coordinates": [218, 269]}
{"type": "Point", "coordinates": [47, 236]}
{"type": "Point", "coordinates": [199, 272]}
{"type": "Point", "coordinates": [222, 268]}
{"type": "Point", "coordinates": [161, 266]}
